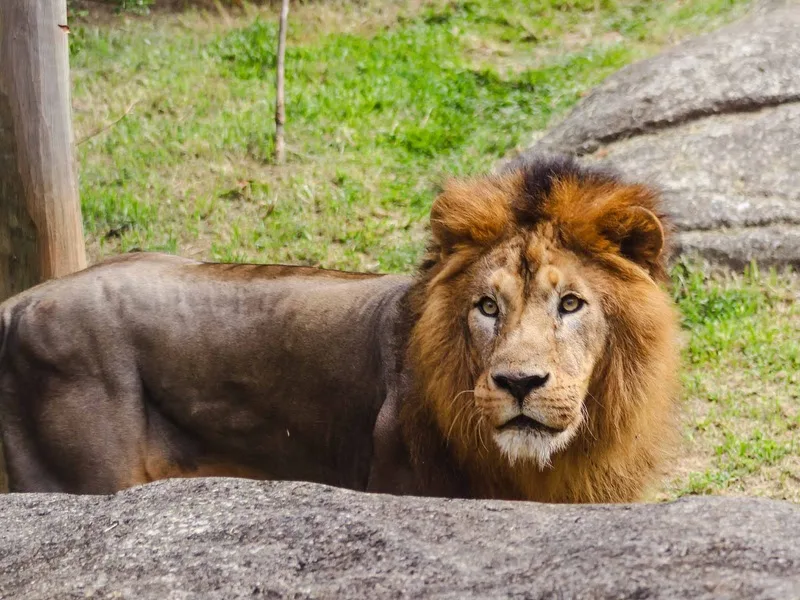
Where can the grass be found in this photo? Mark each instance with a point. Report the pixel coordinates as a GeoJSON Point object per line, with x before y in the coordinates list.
{"type": "Point", "coordinates": [383, 103]}
{"type": "Point", "coordinates": [741, 383]}
{"type": "Point", "coordinates": [174, 117]}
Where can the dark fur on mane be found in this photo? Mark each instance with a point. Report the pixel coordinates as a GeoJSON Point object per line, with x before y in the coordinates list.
{"type": "Point", "coordinates": [539, 173]}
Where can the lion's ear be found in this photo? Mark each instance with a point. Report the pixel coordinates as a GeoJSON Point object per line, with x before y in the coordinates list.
{"type": "Point", "coordinates": [470, 213]}
{"type": "Point", "coordinates": [639, 235]}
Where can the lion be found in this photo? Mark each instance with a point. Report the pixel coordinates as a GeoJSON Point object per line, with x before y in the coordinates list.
{"type": "Point", "coordinates": [534, 356]}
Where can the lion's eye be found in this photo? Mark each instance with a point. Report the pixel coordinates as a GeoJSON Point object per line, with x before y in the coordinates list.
{"type": "Point", "coordinates": [488, 307]}
{"type": "Point", "coordinates": [570, 304]}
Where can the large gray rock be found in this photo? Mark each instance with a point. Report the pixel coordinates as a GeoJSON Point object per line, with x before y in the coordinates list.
{"type": "Point", "coordinates": [229, 538]}
{"type": "Point", "coordinates": [715, 123]}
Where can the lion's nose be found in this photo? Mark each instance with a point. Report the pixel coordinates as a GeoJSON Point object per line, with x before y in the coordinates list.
{"type": "Point", "coordinates": [520, 386]}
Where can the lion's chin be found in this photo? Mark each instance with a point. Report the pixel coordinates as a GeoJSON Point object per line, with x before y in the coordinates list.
{"type": "Point", "coordinates": [535, 446]}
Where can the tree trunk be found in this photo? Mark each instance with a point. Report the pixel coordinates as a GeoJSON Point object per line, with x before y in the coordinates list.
{"type": "Point", "coordinates": [280, 109]}
{"type": "Point", "coordinates": [41, 234]}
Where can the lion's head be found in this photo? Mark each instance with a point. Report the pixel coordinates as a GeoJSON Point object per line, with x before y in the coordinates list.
{"type": "Point", "coordinates": [545, 345]}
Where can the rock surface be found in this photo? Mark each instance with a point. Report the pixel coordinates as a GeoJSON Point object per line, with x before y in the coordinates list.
{"type": "Point", "coordinates": [225, 538]}
{"type": "Point", "coordinates": [715, 123]}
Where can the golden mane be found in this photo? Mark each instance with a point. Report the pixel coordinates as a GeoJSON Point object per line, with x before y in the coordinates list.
{"type": "Point", "coordinates": [631, 407]}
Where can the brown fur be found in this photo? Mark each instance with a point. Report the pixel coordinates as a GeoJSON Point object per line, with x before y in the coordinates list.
{"type": "Point", "coordinates": [631, 407]}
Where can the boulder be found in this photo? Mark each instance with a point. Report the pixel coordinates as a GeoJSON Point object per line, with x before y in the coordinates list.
{"type": "Point", "coordinates": [715, 124]}
{"type": "Point", "coordinates": [227, 538]}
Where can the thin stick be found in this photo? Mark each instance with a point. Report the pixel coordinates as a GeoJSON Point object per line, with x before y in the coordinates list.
{"type": "Point", "coordinates": [97, 132]}
{"type": "Point", "coordinates": [280, 110]}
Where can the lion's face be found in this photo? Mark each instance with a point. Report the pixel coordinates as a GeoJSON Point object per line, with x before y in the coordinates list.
{"type": "Point", "coordinates": [539, 313]}
{"type": "Point", "coordinates": [537, 329]}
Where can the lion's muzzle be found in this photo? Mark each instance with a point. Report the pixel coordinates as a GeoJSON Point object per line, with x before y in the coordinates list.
{"type": "Point", "coordinates": [525, 402]}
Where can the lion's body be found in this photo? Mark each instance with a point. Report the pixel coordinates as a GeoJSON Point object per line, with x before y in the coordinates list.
{"type": "Point", "coordinates": [150, 366]}
{"type": "Point", "coordinates": [156, 366]}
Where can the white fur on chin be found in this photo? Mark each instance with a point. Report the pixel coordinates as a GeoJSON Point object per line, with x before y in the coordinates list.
{"type": "Point", "coordinates": [536, 446]}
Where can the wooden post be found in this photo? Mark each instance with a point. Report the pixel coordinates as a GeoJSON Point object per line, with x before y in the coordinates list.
{"type": "Point", "coordinates": [280, 108]}
{"type": "Point", "coordinates": [41, 233]}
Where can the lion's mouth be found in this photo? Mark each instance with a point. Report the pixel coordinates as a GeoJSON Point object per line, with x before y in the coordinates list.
{"type": "Point", "coordinates": [525, 423]}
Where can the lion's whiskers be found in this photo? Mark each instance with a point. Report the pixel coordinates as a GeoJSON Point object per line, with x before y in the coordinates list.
{"type": "Point", "coordinates": [586, 424]}
{"type": "Point", "coordinates": [466, 421]}
{"type": "Point", "coordinates": [458, 414]}
{"type": "Point", "coordinates": [481, 421]}
{"type": "Point", "coordinates": [453, 401]}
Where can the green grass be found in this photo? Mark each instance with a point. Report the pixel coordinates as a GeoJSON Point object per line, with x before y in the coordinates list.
{"type": "Point", "coordinates": [174, 114]}
{"type": "Point", "coordinates": [741, 382]}
{"type": "Point", "coordinates": [383, 102]}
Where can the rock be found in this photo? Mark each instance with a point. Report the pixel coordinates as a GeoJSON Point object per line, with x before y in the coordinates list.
{"type": "Point", "coordinates": [715, 123]}
{"type": "Point", "coordinates": [226, 538]}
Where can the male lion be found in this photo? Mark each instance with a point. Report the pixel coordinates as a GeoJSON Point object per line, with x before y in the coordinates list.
{"type": "Point", "coordinates": [534, 356]}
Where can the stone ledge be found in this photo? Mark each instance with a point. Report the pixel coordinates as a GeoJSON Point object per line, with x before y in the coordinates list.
{"type": "Point", "coordinates": [226, 538]}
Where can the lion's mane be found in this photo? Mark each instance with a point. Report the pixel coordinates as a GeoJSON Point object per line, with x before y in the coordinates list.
{"type": "Point", "coordinates": [631, 408]}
